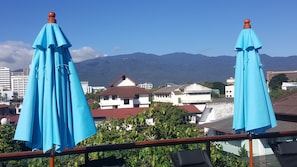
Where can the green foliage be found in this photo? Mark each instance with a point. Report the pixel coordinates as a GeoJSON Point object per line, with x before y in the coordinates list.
{"type": "Point", "coordinates": [7, 144]}
{"type": "Point", "coordinates": [169, 122]}
{"type": "Point", "coordinates": [215, 95]}
{"type": "Point", "coordinates": [276, 81]}
{"type": "Point", "coordinates": [221, 158]}
{"type": "Point", "coordinates": [277, 93]}
{"type": "Point", "coordinates": [216, 85]}
{"type": "Point", "coordinates": [94, 105]}
{"type": "Point", "coordinates": [93, 96]}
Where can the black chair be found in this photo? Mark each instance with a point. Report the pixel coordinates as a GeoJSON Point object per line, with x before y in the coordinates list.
{"type": "Point", "coordinates": [191, 158]}
{"type": "Point", "coordinates": [106, 162]}
{"type": "Point", "coordinates": [286, 153]}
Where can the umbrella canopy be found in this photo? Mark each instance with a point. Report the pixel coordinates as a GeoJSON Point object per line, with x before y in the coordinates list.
{"type": "Point", "coordinates": [253, 111]}
{"type": "Point", "coordinates": [55, 113]}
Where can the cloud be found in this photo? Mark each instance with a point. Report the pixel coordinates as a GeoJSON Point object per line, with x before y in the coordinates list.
{"type": "Point", "coordinates": [84, 53]}
{"type": "Point", "coordinates": [116, 48]}
{"type": "Point", "coordinates": [18, 55]}
{"type": "Point", "coordinates": [15, 54]}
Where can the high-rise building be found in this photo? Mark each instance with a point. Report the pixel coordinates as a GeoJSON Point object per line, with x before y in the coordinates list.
{"type": "Point", "coordinates": [5, 78]}
{"type": "Point", "coordinates": [19, 81]}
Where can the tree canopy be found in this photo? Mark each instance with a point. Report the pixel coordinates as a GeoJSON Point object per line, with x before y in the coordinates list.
{"type": "Point", "coordinates": [169, 122]}
{"type": "Point", "coordinates": [276, 81]}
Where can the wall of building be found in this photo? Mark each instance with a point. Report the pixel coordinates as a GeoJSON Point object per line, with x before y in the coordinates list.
{"type": "Point", "coordinates": [220, 109]}
{"type": "Point", "coordinates": [229, 91]}
{"type": "Point", "coordinates": [5, 78]}
{"type": "Point", "coordinates": [19, 84]}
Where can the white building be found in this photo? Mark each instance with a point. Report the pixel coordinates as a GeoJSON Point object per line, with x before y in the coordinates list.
{"type": "Point", "coordinates": [19, 84]}
{"type": "Point", "coordinates": [194, 94]}
{"type": "Point", "coordinates": [86, 88]}
{"type": "Point", "coordinates": [289, 85]}
{"type": "Point", "coordinates": [229, 91]}
{"type": "Point", "coordinates": [6, 96]}
{"type": "Point", "coordinates": [123, 93]}
{"type": "Point", "coordinates": [98, 88]}
{"type": "Point", "coordinates": [5, 78]}
{"type": "Point", "coordinates": [229, 88]}
{"type": "Point", "coordinates": [146, 85]}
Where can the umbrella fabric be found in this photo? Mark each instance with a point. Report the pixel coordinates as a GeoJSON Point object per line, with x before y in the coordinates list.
{"type": "Point", "coordinates": [55, 113]}
{"type": "Point", "coordinates": [253, 111]}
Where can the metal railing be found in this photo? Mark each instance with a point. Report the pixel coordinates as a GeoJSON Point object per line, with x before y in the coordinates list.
{"type": "Point", "coordinates": [143, 144]}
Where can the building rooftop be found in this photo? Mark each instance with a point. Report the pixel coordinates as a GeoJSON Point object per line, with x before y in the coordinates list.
{"type": "Point", "coordinates": [124, 91]}
{"type": "Point", "coordinates": [286, 104]}
{"type": "Point", "coordinates": [225, 125]}
{"type": "Point", "coordinates": [121, 113]}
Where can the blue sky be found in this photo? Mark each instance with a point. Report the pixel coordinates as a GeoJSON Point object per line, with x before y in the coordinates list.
{"type": "Point", "coordinates": [113, 27]}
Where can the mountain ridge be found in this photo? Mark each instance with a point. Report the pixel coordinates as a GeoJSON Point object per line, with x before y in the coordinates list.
{"type": "Point", "coordinates": [176, 68]}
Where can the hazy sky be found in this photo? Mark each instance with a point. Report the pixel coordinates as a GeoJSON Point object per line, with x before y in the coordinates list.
{"type": "Point", "coordinates": [112, 27]}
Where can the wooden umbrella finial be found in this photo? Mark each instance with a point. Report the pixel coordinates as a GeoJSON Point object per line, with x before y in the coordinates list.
{"type": "Point", "coordinates": [247, 23]}
{"type": "Point", "coordinates": [51, 17]}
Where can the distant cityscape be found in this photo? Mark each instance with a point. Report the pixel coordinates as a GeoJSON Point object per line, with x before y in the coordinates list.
{"type": "Point", "coordinates": [123, 97]}
{"type": "Point", "coordinates": [13, 83]}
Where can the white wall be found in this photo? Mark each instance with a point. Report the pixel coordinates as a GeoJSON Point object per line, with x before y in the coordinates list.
{"type": "Point", "coordinates": [143, 101]}
{"type": "Point", "coordinates": [229, 91]}
{"type": "Point", "coordinates": [220, 110]}
{"type": "Point", "coordinates": [126, 82]}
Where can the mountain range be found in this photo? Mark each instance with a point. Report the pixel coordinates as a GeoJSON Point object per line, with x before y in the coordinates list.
{"type": "Point", "coordinates": [176, 68]}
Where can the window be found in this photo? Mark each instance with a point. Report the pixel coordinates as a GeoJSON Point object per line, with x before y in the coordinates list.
{"type": "Point", "coordinates": [136, 96]}
{"type": "Point", "coordinates": [126, 101]}
{"type": "Point", "coordinates": [219, 133]}
{"type": "Point", "coordinates": [114, 97]}
{"type": "Point", "coordinates": [136, 105]}
{"type": "Point", "coordinates": [105, 97]}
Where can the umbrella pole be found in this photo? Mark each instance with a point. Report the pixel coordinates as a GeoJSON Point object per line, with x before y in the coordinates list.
{"type": "Point", "coordinates": [52, 159]}
{"type": "Point", "coordinates": [251, 151]}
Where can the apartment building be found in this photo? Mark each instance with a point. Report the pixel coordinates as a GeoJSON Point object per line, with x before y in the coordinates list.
{"type": "Point", "coordinates": [146, 85]}
{"type": "Point", "coordinates": [229, 88]}
{"type": "Point", "coordinates": [5, 78]}
{"type": "Point", "coordinates": [123, 93]}
{"type": "Point", "coordinates": [19, 83]}
{"type": "Point", "coordinates": [186, 94]}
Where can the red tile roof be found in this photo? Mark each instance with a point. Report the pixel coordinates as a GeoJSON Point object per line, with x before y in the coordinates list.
{"type": "Point", "coordinates": [190, 109]}
{"type": "Point", "coordinates": [118, 113]}
{"type": "Point", "coordinates": [286, 105]}
{"type": "Point", "coordinates": [3, 106]}
{"type": "Point", "coordinates": [121, 113]}
{"type": "Point", "coordinates": [11, 118]}
{"type": "Point", "coordinates": [124, 91]}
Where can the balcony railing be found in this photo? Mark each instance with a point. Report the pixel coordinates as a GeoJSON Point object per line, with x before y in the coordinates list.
{"type": "Point", "coordinates": [143, 144]}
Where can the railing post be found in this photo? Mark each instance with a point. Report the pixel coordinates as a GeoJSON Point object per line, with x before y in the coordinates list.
{"type": "Point", "coordinates": [52, 158]}
{"type": "Point", "coordinates": [251, 149]}
{"type": "Point", "coordinates": [86, 158]}
{"type": "Point", "coordinates": [208, 148]}
{"type": "Point", "coordinates": [51, 161]}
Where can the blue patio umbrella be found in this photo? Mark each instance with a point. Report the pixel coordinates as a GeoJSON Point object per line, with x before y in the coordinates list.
{"type": "Point", "coordinates": [55, 114]}
{"type": "Point", "coordinates": [253, 111]}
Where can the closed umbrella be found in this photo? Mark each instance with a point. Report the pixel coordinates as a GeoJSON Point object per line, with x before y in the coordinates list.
{"type": "Point", "coordinates": [55, 114]}
{"type": "Point", "coordinates": [253, 111]}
